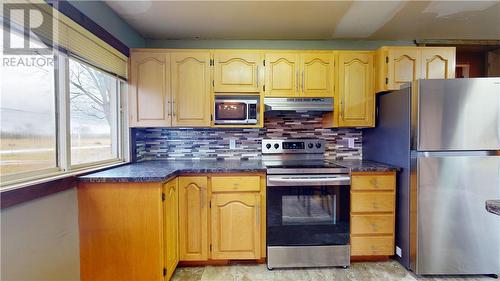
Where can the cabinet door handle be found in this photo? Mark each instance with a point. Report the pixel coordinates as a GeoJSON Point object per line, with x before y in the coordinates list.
{"type": "Point", "coordinates": [169, 109]}
{"type": "Point", "coordinates": [173, 108]}
{"type": "Point", "coordinates": [202, 198]}
{"type": "Point", "coordinates": [341, 110]}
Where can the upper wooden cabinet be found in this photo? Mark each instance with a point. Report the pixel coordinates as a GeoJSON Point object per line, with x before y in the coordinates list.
{"type": "Point", "coordinates": [438, 63]}
{"type": "Point", "coordinates": [191, 89]}
{"type": "Point", "coordinates": [282, 75]}
{"type": "Point", "coordinates": [356, 92]}
{"type": "Point", "coordinates": [171, 226]}
{"type": "Point", "coordinates": [317, 79]}
{"type": "Point", "coordinates": [304, 74]}
{"type": "Point", "coordinates": [237, 71]}
{"type": "Point", "coordinates": [149, 90]}
{"type": "Point", "coordinates": [399, 65]}
{"type": "Point", "coordinates": [193, 218]}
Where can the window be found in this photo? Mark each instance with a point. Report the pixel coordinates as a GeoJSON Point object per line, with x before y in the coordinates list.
{"type": "Point", "coordinates": [93, 111]}
{"type": "Point", "coordinates": [27, 112]}
{"type": "Point", "coordinates": [58, 114]}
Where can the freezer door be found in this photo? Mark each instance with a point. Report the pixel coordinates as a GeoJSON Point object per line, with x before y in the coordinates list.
{"type": "Point", "coordinates": [459, 114]}
{"type": "Point", "coordinates": [456, 235]}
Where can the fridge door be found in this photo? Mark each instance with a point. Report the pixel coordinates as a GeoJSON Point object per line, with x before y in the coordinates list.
{"type": "Point", "coordinates": [459, 114]}
{"type": "Point", "coordinates": [455, 233]}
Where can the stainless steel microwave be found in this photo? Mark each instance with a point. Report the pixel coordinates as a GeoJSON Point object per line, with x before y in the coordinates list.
{"type": "Point", "coordinates": [236, 110]}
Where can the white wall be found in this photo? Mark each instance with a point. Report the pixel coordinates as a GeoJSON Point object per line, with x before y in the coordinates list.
{"type": "Point", "coordinates": [39, 239]}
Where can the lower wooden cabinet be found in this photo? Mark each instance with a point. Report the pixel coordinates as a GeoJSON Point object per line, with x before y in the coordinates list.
{"type": "Point", "coordinates": [171, 226]}
{"type": "Point", "coordinates": [193, 218]}
{"type": "Point", "coordinates": [235, 226]}
{"type": "Point", "coordinates": [373, 213]}
{"type": "Point", "coordinates": [235, 216]}
{"type": "Point", "coordinates": [123, 228]}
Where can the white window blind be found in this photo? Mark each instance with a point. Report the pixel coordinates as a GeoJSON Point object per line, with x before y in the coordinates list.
{"type": "Point", "coordinates": [72, 37]}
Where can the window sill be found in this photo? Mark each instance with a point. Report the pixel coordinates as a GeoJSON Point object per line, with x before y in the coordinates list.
{"type": "Point", "coordinates": [18, 192]}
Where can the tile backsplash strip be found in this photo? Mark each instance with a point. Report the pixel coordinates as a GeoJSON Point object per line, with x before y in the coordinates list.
{"type": "Point", "coordinates": [178, 143]}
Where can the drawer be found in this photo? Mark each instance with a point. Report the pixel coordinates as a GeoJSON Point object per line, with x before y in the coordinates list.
{"type": "Point", "coordinates": [229, 184]}
{"type": "Point", "coordinates": [372, 201]}
{"type": "Point", "coordinates": [372, 246]}
{"type": "Point", "coordinates": [372, 224]}
{"type": "Point", "coordinates": [373, 182]}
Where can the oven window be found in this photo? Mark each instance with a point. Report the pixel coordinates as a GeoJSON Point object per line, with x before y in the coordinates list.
{"type": "Point", "coordinates": [231, 111]}
{"type": "Point", "coordinates": [309, 209]}
{"type": "Point", "coordinates": [303, 216]}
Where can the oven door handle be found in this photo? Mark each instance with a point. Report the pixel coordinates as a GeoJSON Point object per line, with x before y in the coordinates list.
{"type": "Point", "coordinates": [305, 181]}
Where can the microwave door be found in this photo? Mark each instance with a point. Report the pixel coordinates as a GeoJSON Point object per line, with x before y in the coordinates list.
{"type": "Point", "coordinates": [231, 112]}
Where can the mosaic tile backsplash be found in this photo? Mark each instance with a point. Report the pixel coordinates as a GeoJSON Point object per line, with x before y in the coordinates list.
{"type": "Point", "coordinates": [171, 144]}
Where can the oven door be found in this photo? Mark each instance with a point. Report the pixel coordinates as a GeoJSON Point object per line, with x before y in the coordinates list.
{"type": "Point", "coordinates": [231, 112]}
{"type": "Point", "coordinates": [307, 210]}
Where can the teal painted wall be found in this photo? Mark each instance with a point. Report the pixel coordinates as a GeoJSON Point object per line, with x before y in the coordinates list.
{"type": "Point", "coordinates": [104, 16]}
{"type": "Point", "coordinates": [276, 44]}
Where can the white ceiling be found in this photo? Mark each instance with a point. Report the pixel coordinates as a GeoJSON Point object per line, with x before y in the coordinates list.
{"type": "Point", "coordinates": [384, 20]}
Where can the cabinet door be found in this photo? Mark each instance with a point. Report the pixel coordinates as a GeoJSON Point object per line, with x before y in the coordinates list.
{"type": "Point", "coordinates": [236, 72]}
{"type": "Point", "coordinates": [191, 89]}
{"type": "Point", "coordinates": [193, 218]}
{"type": "Point", "coordinates": [171, 226]}
{"type": "Point", "coordinates": [282, 75]}
{"type": "Point", "coordinates": [404, 66]}
{"type": "Point", "coordinates": [356, 90]}
{"type": "Point", "coordinates": [316, 77]}
{"type": "Point", "coordinates": [236, 226]}
{"type": "Point", "coordinates": [149, 90]}
{"type": "Point", "coordinates": [438, 63]}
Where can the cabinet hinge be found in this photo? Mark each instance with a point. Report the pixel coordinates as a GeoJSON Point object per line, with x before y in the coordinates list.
{"type": "Point", "coordinates": [386, 80]}
{"type": "Point", "coordinates": [163, 197]}
{"type": "Point", "coordinates": [211, 117]}
{"type": "Point", "coordinates": [264, 62]}
{"type": "Point", "coordinates": [386, 59]}
{"type": "Point", "coordinates": [210, 204]}
{"type": "Point", "coordinates": [164, 271]}
{"type": "Point", "coordinates": [264, 88]}
{"type": "Point", "coordinates": [210, 247]}
{"type": "Point", "coordinates": [212, 62]}
{"type": "Point", "coordinates": [213, 83]}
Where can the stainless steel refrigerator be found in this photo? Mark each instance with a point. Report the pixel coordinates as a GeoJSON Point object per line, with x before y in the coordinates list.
{"type": "Point", "coordinates": [445, 135]}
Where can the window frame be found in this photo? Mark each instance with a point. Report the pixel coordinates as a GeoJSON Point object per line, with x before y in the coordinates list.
{"type": "Point", "coordinates": [63, 130]}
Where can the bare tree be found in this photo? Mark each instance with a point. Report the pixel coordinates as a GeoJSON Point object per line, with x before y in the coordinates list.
{"type": "Point", "coordinates": [90, 91]}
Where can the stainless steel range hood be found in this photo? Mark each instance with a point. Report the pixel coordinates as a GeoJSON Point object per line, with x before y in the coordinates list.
{"type": "Point", "coordinates": [298, 104]}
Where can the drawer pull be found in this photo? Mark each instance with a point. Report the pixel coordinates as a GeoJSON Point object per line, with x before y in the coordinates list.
{"type": "Point", "coordinates": [375, 205]}
{"type": "Point", "coordinates": [374, 227]}
{"type": "Point", "coordinates": [374, 182]}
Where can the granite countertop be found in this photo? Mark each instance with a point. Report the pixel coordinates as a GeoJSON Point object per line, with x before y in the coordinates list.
{"type": "Point", "coordinates": [366, 166]}
{"type": "Point", "coordinates": [163, 170]}
{"type": "Point", "coordinates": [493, 206]}
{"type": "Point", "coordinates": [159, 171]}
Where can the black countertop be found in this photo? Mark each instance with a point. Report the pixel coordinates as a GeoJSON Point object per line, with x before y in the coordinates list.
{"type": "Point", "coordinates": [160, 171]}
{"type": "Point", "coordinates": [493, 206]}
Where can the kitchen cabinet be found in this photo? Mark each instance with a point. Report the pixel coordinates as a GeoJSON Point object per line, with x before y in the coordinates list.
{"type": "Point", "coordinates": [121, 231]}
{"type": "Point", "coordinates": [356, 105]}
{"type": "Point", "coordinates": [193, 218]}
{"type": "Point", "coordinates": [317, 79]}
{"type": "Point", "coordinates": [191, 89]}
{"type": "Point", "coordinates": [372, 213]}
{"type": "Point", "coordinates": [282, 74]}
{"type": "Point", "coordinates": [171, 226]}
{"type": "Point", "coordinates": [235, 225]}
{"type": "Point", "coordinates": [399, 65]}
{"type": "Point", "coordinates": [237, 71]}
{"type": "Point", "coordinates": [149, 90]}
{"type": "Point", "coordinates": [299, 74]}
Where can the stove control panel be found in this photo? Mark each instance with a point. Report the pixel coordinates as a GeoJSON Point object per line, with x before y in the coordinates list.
{"type": "Point", "coordinates": [270, 146]}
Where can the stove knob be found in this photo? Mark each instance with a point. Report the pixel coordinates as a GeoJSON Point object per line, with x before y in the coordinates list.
{"type": "Point", "coordinates": [318, 145]}
{"type": "Point", "coordinates": [276, 145]}
{"type": "Point", "coordinates": [310, 145]}
{"type": "Point", "coordinates": [268, 146]}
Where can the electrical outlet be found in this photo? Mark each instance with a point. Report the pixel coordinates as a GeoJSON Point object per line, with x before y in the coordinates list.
{"type": "Point", "coordinates": [350, 142]}
{"type": "Point", "coordinates": [398, 252]}
{"type": "Point", "coordinates": [232, 143]}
